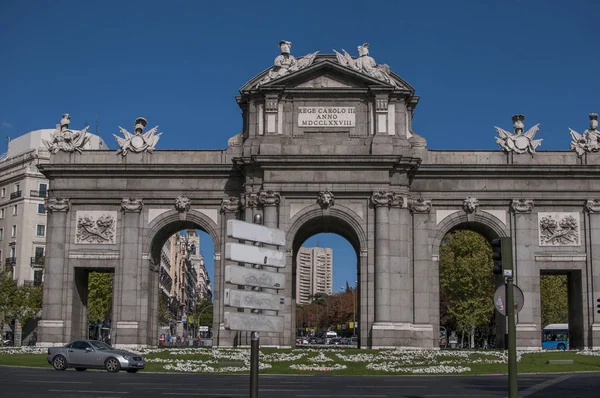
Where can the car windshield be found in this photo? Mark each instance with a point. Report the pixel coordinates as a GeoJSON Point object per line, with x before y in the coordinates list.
{"type": "Point", "coordinates": [99, 345]}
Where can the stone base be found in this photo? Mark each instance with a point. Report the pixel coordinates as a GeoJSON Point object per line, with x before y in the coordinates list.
{"type": "Point", "coordinates": [51, 333]}
{"type": "Point", "coordinates": [595, 340]}
{"type": "Point", "coordinates": [529, 338]}
{"type": "Point", "coordinates": [402, 335]}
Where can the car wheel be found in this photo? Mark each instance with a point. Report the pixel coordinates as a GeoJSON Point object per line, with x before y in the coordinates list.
{"type": "Point", "coordinates": [132, 370]}
{"type": "Point", "coordinates": [112, 365]}
{"type": "Point", "coordinates": [59, 362]}
{"type": "Point", "coordinates": [80, 369]}
{"type": "Point", "coordinates": [561, 347]}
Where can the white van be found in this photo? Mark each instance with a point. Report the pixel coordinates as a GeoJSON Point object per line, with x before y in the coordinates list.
{"type": "Point", "coordinates": [330, 334]}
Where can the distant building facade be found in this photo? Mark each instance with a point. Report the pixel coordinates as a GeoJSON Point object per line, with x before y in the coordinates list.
{"type": "Point", "coordinates": [23, 190]}
{"type": "Point", "coordinates": [314, 273]}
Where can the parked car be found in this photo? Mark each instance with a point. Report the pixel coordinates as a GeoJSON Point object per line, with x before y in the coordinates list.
{"type": "Point", "coordinates": [84, 354]}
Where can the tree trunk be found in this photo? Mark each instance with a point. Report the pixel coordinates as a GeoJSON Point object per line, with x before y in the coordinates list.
{"type": "Point", "coordinates": [462, 338]}
{"type": "Point", "coordinates": [472, 337]}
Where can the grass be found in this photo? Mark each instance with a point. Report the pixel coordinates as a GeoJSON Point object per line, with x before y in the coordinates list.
{"type": "Point", "coordinates": [530, 362]}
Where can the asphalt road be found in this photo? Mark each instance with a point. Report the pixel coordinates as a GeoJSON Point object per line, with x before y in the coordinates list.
{"type": "Point", "coordinates": [27, 382]}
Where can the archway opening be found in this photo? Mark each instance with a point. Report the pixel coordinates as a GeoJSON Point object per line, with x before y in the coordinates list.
{"type": "Point", "coordinates": [467, 284]}
{"type": "Point", "coordinates": [183, 255]}
{"type": "Point", "coordinates": [325, 287]}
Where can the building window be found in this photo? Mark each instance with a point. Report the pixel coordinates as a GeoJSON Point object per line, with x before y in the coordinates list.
{"type": "Point", "coordinates": [15, 210]}
{"type": "Point", "coordinates": [40, 230]}
{"type": "Point", "coordinates": [42, 189]}
{"type": "Point", "coordinates": [3, 192]}
{"type": "Point", "coordinates": [13, 252]}
{"type": "Point", "coordinates": [39, 252]}
{"type": "Point", "coordinates": [1, 235]}
{"type": "Point", "coordinates": [2, 213]}
{"type": "Point", "coordinates": [41, 208]}
{"type": "Point", "coordinates": [17, 187]}
{"type": "Point", "coordinates": [13, 232]}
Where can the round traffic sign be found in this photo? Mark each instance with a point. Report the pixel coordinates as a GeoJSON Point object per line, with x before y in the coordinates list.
{"type": "Point", "coordinates": [500, 299]}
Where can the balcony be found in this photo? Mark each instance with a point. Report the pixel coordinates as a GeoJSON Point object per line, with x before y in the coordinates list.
{"type": "Point", "coordinates": [15, 195]}
{"type": "Point", "coordinates": [10, 261]}
{"type": "Point", "coordinates": [38, 194]}
{"type": "Point", "coordinates": [38, 261]}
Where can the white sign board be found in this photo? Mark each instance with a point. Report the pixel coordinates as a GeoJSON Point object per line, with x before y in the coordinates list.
{"type": "Point", "coordinates": [253, 322]}
{"type": "Point", "coordinates": [255, 233]}
{"type": "Point", "coordinates": [254, 277]}
{"type": "Point", "coordinates": [254, 300]}
{"type": "Point", "coordinates": [326, 116]}
{"type": "Point", "coordinates": [254, 255]}
{"type": "Point", "coordinates": [203, 328]}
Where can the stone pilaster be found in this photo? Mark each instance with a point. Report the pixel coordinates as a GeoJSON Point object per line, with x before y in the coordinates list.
{"type": "Point", "coordinates": [382, 200]}
{"type": "Point", "coordinates": [52, 326]}
{"type": "Point", "coordinates": [425, 335]}
{"type": "Point", "coordinates": [130, 303]}
{"type": "Point", "coordinates": [400, 270]}
{"type": "Point", "coordinates": [592, 211]}
{"type": "Point", "coordinates": [526, 274]}
{"type": "Point", "coordinates": [229, 210]}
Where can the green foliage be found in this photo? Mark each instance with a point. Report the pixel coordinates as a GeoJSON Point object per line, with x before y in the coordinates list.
{"type": "Point", "coordinates": [466, 280]}
{"type": "Point", "coordinates": [100, 295]}
{"type": "Point", "coordinates": [554, 297]}
{"type": "Point", "coordinates": [164, 315]}
{"type": "Point", "coordinates": [8, 288]}
{"type": "Point", "coordinates": [203, 315]}
{"type": "Point", "coordinates": [19, 303]}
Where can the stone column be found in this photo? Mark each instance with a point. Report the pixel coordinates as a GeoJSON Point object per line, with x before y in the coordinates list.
{"type": "Point", "coordinates": [400, 270]}
{"type": "Point", "coordinates": [382, 200]}
{"type": "Point", "coordinates": [592, 207]}
{"type": "Point", "coordinates": [526, 274]}
{"type": "Point", "coordinates": [423, 336]}
{"type": "Point", "coordinates": [129, 326]}
{"type": "Point", "coordinates": [270, 202]}
{"type": "Point", "coordinates": [54, 310]}
{"type": "Point", "coordinates": [229, 210]}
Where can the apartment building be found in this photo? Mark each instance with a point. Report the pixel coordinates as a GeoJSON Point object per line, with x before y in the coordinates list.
{"type": "Point", "coordinates": [23, 190]}
{"type": "Point", "coordinates": [314, 273]}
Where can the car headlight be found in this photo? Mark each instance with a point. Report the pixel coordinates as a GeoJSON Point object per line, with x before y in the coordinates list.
{"type": "Point", "coordinates": [127, 358]}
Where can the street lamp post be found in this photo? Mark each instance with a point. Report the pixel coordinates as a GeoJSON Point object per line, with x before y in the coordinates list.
{"type": "Point", "coordinates": [354, 310]}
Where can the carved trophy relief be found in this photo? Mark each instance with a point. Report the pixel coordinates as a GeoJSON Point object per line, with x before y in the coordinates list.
{"type": "Point", "coordinates": [138, 141]}
{"type": "Point", "coordinates": [559, 229]}
{"type": "Point", "coordinates": [65, 139]}
{"type": "Point", "coordinates": [589, 141]}
{"type": "Point", "coordinates": [518, 142]}
{"type": "Point", "coordinates": [96, 227]}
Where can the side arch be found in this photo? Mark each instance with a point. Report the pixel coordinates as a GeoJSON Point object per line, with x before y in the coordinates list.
{"type": "Point", "coordinates": [171, 222]}
{"type": "Point", "coordinates": [487, 225]}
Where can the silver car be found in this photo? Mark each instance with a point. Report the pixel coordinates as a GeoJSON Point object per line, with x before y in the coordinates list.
{"type": "Point", "coordinates": [84, 354]}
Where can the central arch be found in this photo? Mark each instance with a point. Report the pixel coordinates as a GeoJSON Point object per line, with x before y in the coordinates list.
{"type": "Point", "coordinates": [341, 221]}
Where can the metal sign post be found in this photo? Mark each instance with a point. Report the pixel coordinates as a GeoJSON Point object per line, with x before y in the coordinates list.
{"type": "Point", "coordinates": [507, 268]}
{"type": "Point", "coordinates": [257, 278]}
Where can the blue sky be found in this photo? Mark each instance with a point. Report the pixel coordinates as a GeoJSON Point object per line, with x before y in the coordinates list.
{"type": "Point", "coordinates": [180, 64]}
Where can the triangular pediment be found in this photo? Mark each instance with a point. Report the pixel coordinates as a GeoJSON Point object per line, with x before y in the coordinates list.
{"type": "Point", "coordinates": [325, 73]}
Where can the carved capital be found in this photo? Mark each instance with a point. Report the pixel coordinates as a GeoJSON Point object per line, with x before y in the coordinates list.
{"type": "Point", "coordinates": [57, 205]}
{"type": "Point", "coordinates": [593, 205]}
{"type": "Point", "coordinates": [326, 199]}
{"type": "Point", "coordinates": [521, 205]}
{"type": "Point", "coordinates": [132, 205]}
{"type": "Point", "coordinates": [182, 204]}
{"type": "Point", "coordinates": [419, 205]}
{"type": "Point", "coordinates": [250, 200]}
{"type": "Point", "coordinates": [269, 198]}
{"type": "Point", "coordinates": [470, 204]}
{"type": "Point", "coordinates": [231, 205]}
{"type": "Point", "coordinates": [381, 198]}
{"type": "Point", "coordinates": [397, 200]}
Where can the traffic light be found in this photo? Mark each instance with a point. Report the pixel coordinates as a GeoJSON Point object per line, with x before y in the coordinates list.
{"type": "Point", "coordinates": [497, 255]}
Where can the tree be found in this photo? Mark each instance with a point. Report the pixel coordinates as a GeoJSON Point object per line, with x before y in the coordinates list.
{"type": "Point", "coordinates": [203, 315]}
{"type": "Point", "coordinates": [466, 281]}
{"type": "Point", "coordinates": [554, 297]}
{"type": "Point", "coordinates": [26, 303]}
{"type": "Point", "coordinates": [100, 294]}
{"type": "Point", "coordinates": [164, 315]}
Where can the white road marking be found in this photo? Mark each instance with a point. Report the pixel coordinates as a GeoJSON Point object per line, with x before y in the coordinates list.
{"type": "Point", "coordinates": [91, 391]}
{"type": "Point", "coordinates": [55, 381]}
{"type": "Point", "coordinates": [541, 386]}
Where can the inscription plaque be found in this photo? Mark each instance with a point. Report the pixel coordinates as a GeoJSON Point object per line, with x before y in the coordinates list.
{"type": "Point", "coordinates": [326, 116]}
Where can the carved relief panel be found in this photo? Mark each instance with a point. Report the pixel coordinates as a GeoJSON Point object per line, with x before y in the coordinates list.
{"type": "Point", "coordinates": [96, 227]}
{"type": "Point", "coordinates": [559, 229]}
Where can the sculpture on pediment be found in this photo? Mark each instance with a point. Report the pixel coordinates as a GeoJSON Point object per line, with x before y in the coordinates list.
{"type": "Point", "coordinates": [470, 204]}
{"type": "Point", "coordinates": [182, 204]}
{"type": "Point", "coordinates": [286, 63]}
{"type": "Point", "coordinates": [139, 141]}
{"type": "Point", "coordinates": [366, 64]}
{"type": "Point", "coordinates": [326, 199]}
{"type": "Point", "coordinates": [518, 142]}
{"type": "Point", "coordinates": [589, 141]}
{"type": "Point", "coordinates": [65, 139]}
